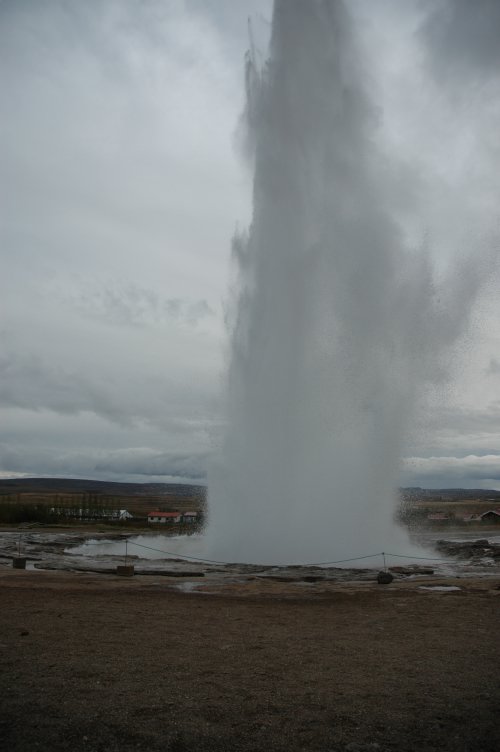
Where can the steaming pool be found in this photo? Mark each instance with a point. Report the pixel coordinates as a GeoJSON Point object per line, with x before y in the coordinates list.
{"type": "Point", "coordinates": [180, 561]}
{"type": "Point", "coordinates": [142, 546]}
{"type": "Point", "coordinates": [158, 547]}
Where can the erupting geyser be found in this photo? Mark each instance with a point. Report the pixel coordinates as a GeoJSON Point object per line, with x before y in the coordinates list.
{"type": "Point", "coordinates": [337, 325]}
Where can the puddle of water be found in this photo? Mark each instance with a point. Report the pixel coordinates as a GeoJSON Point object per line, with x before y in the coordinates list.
{"type": "Point", "coordinates": [187, 587]}
{"type": "Point", "coordinates": [143, 546]}
{"type": "Point", "coordinates": [440, 588]}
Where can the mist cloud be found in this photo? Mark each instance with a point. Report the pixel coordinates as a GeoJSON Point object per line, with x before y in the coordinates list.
{"type": "Point", "coordinates": [462, 38]}
{"type": "Point", "coordinates": [120, 189]}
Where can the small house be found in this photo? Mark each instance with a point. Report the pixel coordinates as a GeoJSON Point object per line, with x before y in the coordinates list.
{"type": "Point", "coordinates": [190, 517]}
{"type": "Point", "coordinates": [162, 518]}
{"type": "Point", "coordinates": [118, 514]}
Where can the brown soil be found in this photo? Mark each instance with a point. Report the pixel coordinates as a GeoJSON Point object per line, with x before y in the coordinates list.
{"type": "Point", "coordinates": [93, 662]}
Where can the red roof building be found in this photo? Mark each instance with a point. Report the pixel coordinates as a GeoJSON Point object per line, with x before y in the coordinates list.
{"type": "Point", "coordinates": [164, 517]}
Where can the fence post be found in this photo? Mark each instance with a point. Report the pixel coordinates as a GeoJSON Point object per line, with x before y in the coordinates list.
{"type": "Point", "coordinates": [125, 570]}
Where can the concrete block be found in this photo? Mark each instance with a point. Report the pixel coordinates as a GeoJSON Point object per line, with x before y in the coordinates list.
{"type": "Point", "coordinates": [125, 570]}
{"type": "Point", "coordinates": [384, 578]}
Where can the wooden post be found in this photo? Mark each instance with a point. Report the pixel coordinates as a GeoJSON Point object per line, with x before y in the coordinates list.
{"type": "Point", "coordinates": [19, 562]}
{"type": "Point", "coordinates": [126, 569]}
{"type": "Point", "coordinates": [384, 578]}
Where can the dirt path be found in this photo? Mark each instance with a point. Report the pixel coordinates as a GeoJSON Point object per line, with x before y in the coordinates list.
{"type": "Point", "coordinates": [102, 663]}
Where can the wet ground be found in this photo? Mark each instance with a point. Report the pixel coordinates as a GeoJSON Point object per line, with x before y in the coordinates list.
{"type": "Point", "coordinates": [199, 657]}
{"type": "Point", "coordinates": [100, 663]}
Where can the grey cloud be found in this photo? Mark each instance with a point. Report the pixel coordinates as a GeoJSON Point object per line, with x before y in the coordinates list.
{"type": "Point", "coordinates": [456, 431]}
{"type": "Point", "coordinates": [493, 367]}
{"type": "Point", "coordinates": [449, 472]}
{"type": "Point", "coordinates": [30, 383]}
{"type": "Point", "coordinates": [197, 311]}
{"type": "Point", "coordinates": [117, 120]}
{"type": "Point", "coordinates": [233, 17]}
{"type": "Point", "coordinates": [119, 193]}
{"type": "Point", "coordinates": [132, 305]}
{"type": "Point", "coordinates": [147, 462]}
{"type": "Point", "coordinates": [126, 464]}
{"type": "Point", "coordinates": [461, 419]}
{"type": "Point", "coordinates": [110, 147]}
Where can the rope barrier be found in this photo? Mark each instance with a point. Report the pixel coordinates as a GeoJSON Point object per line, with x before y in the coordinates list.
{"type": "Point", "coordinates": [181, 556]}
{"type": "Point", "coordinates": [424, 558]}
{"type": "Point", "coordinates": [383, 554]}
{"type": "Point", "coordinates": [339, 561]}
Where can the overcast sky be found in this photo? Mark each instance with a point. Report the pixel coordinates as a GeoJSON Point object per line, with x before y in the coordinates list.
{"type": "Point", "coordinates": [122, 181]}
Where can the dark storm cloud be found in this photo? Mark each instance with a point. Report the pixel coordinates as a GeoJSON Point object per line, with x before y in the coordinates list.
{"type": "Point", "coordinates": [463, 38]}
{"type": "Point", "coordinates": [147, 462]}
{"type": "Point", "coordinates": [448, 472]}
{"type": "Point", "coordinates": [128, 464]}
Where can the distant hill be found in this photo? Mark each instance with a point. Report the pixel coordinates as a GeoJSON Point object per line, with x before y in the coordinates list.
{"type": "Point", "coordinates": [76, 493]}
{"type": "Point", "coordinates": [109, 488]}
{"type": "Point", "coordinates": [450, 494]}
{"type": "Point", "coordinates": [186, 490]}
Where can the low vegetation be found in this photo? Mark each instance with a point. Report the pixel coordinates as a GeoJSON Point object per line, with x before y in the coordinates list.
{"type": "Point", "coordinates": [73, 502]}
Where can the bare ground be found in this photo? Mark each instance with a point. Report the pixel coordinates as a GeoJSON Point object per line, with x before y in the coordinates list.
{"type": "Point", "coordinates": [97, 662]}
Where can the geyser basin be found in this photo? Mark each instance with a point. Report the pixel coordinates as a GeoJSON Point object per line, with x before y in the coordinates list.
{"type": "Point", "coordinates": [338, 325]}
{"type": "Point", "coordinates": [182, 556]}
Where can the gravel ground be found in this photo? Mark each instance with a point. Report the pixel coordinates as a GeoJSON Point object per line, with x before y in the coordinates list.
{"type": "Point", "coordinates": [97, 662]}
